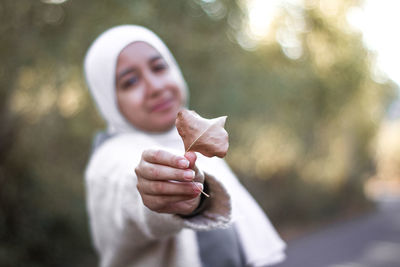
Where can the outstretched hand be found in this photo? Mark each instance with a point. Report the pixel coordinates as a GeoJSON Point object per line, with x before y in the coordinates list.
{"type": "Point", "coordinates": [165, 182]}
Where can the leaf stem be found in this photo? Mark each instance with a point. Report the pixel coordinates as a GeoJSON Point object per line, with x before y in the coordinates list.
{"type": "Point", "coordinates": [204, 193]}
{"type": "Point", "coordinates": [187, 150]}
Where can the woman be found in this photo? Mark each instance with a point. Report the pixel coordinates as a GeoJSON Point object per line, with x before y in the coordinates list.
{"type": "Point", "coordinates": [144, 208]}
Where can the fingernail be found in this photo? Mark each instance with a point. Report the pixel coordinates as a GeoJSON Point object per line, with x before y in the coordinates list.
{"type": "Point", "coordinates": [199, 186]}
{"type": "Point", "coordinates": [183, 163]}
{"type": "Point", "coordinates": [189, 175]}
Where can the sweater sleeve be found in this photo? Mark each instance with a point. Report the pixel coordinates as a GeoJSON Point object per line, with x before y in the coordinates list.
{"type": "Point", "coordinates": [116, 209]}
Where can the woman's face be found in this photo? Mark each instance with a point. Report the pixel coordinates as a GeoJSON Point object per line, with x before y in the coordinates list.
{"type": "Point", "coordinates": [148, 94]}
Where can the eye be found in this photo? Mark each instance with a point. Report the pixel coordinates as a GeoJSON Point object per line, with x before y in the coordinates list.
{"type": "Point", "coordinates": [159, 66]}
{"type": "Point", "coordinates": [129, 82]}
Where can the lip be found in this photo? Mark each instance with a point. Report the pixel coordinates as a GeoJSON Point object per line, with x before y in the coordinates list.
{"type": "Point", "coordinates": [162, 105]}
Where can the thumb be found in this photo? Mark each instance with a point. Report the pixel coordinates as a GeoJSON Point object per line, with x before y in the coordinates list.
{"type": "Point", "coordinates": [191, 157]}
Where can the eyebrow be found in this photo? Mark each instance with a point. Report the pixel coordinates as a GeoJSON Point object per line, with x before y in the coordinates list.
{"type": "Point", "coordinates": [155, 58]}
{"type": "Point", "coordinates": [125, 72]}
{"type": "Point", "coordinates": [132, 69]}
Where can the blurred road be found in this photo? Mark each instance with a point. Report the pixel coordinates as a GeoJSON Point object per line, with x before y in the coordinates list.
{"type": "Point", "coordinates": [372, 240]}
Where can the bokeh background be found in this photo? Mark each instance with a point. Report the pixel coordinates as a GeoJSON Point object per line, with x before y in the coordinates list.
{"type": "Point", "coordinates": [314, 127]}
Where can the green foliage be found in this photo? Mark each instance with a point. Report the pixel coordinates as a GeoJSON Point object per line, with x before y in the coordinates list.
{"type": "Point", "coordinates": [300, 128]}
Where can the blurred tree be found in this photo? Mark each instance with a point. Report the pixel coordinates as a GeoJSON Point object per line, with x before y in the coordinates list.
{"type": "Point", "coordinates": [387, 155]}
{"type": "Point", "coordinates": [315, 110]}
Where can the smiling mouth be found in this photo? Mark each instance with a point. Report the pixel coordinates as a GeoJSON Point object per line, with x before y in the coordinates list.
{"type": "Point", "coordinates": [163, 106]}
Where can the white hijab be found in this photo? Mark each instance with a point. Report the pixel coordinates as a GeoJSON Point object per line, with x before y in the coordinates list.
{"type": "Point", "coordinates": [260, 242]}
{"type": "Point", "coordinates": [100, 66]}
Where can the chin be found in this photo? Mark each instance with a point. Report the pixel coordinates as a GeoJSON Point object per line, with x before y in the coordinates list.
{"type": "Point", "coordinates": [168, 124]}
{"type": "Point", "coordinates": [165, 121]}
{"type": "Point", "coordinates": [171, 115]}
{"type": "Point", "coordinates": [162, 124]}
{"type": "Point", "coordinates": [162, 128]}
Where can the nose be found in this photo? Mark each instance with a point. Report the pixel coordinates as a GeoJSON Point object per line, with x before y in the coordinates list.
{"type": "Point", "coordinates": [154, 84]}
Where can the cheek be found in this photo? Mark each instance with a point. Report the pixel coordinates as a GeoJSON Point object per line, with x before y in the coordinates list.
{"type": "Point", "coordinates": [174, 81]}
{"type": "Point", "coordinates": [183, 95]}
{"type": "Point", "coordinates": [179, 92]}
{"type": "Point", "coordinates": [130, 100]}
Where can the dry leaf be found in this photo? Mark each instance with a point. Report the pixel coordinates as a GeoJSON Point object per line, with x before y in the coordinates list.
{"type": "Point", "coordinates": [207, 137]}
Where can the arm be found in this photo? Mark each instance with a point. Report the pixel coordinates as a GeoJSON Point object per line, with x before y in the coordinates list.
{"type": "Point", "coordinates": [117, 210]}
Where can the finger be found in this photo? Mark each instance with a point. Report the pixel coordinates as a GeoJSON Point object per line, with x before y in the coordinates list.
{"type": "Point", "coordinates": [165, 158]}
{"type": "Point", "coordinates": [191, 157]}
{"type": "Point", "coordinates": [199, 175]}
{"type": "Point", "coordinates": [169, 204]}
{"type": "Point", "coordinates": [169, 188]}
{"type": "Point", "coordinates": [161, 172]}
